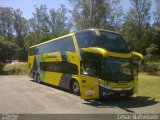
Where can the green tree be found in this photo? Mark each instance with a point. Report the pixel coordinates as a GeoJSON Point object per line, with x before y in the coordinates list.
{"type": "Point", "coordinates": [59, 22]}
{"type": "Point", "coordinates": [105, 14]}
{"type": "Point", "coordinates": [136, 24]}
{"type": "Point", "coordinates": [20, 27]}
{"type": "Point", "coordinates": [39, 24]}
{"type": "Point", "coordinates": [81, 13]}
{"type": "Point", "coordinates": [157, 14]}
{"type": "Point", "coordinates": [116, 16]}
{"type": "Point", "coordinates": [151, 51]}
{"type": "Point", "coordinates": [13, 29]}
{"type": "Point", "coordinates": [7, 50]}
{"type": "Point", "coordinates": [7, 41]}
{"type": "Point", "coordinates": [44, 26]}
{"type": "Point", "coordinates": [6, 22]}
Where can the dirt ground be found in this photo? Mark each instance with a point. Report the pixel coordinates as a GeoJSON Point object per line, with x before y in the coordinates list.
{"type": "Point", "coordinates": [19, 94]}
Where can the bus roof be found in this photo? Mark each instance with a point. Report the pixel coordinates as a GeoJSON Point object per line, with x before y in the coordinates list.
{"type": "Point", "coordinates": [71, 34]}
{"type": "Point", "coordinates": [68, 35]}
{"type": "Point", "coordinates": [94, 29]}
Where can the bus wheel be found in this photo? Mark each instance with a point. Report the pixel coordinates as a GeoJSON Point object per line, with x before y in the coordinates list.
{"type": "Point", "coordinates": [75, 88]}
{"type": "Point", "coordinates": [38, 79]}
{"type": "Point", "coordinates": [34, 77]}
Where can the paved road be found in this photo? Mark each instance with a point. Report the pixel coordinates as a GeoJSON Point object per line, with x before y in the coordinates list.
{"type": "Point", "coordinates": [19, 94]}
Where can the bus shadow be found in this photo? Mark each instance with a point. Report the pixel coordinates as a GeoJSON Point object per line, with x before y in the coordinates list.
{"type": "Point", "coordinates": [124, 103]}
{"type": "Point", "coordinates": [53, 86]}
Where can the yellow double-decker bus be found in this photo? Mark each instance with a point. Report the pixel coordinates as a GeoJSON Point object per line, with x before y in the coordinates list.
{"type": "Point", "coordinates": [92, 63]}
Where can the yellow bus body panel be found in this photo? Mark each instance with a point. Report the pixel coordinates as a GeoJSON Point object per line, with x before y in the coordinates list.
{"type": "Point", "coordinates": [30, 62]}
{"type": "Point", "coordinates": [106, 53]}
{"type": "Point", "coordinates": [52, 78]}
{"type": "Point", "coordinates": [51, 57]}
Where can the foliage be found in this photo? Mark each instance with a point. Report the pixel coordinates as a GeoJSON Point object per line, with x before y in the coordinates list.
{"type": "Point", "coordinates": [152, 49]}
{"type": "Point", "coordinates": [151, 67]}
{"type": "Point", "coordinates": [20, 68]}
{"type": "Point", "coordinates": [17, 34]}
{"type": "Point", "coordinates": [13, 28]}
{"type": "Point", "coordinates": [106, 14]}
{"type": "Point", "coordinates": [44, 26]}
{"type": "Point", "coordinates": [137, 23]}
{"type": "Point", "coordinates": [7, 50]}
{"type": "Point", "coordinates": [1, 67]}
{"type": "Point", "coordinates": [157, 14]}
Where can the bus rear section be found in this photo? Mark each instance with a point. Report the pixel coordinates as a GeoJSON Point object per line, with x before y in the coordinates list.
{"type": "Point", "coordinates": [54, 62]}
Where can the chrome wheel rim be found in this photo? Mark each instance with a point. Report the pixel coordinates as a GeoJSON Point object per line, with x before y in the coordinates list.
{"type": "Point", "coordinates": [34, 77]}
{"type": "Point", "coordinates": [38, 79]}
{"type": "Point", "coordinates": [76, 87]}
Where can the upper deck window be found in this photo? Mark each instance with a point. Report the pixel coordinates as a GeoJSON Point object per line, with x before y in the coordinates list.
{"type": "Point", "coordinates": [107, 40]}
{"type": "Point", "coordinates": [85, 39]}
{"type": "Point", "coordinates": [112, 42]}
{"type": "Point", "coordinates": [63, 44]}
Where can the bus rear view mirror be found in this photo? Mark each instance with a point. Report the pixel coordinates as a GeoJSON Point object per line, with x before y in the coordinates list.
{"type": "Point", "coordinates": [138, 58]}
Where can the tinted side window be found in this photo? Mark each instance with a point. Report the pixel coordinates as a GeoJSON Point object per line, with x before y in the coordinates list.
{"type": "Point", "coordinates": [85, 39]}
{"type": "Point", "coordinates": [63, 44]}
{"type": "Point", "coordinates": [59, 66]}
{"type": "Point", "coordinates": [89, 68]}
{"type": "Point", "coordinates": [67, 44]}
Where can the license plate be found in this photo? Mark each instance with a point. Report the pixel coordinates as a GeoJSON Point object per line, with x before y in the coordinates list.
{"type": "Point", "coordinates": [123, 94]}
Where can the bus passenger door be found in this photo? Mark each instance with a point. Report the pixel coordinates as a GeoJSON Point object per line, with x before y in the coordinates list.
{"type": "Point", "coordinates": [89, 87]}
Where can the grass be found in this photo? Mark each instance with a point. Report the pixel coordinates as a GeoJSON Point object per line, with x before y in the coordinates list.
{"type": "Point", "coordinates": [156, 65]}
{"type": "Point", "coordinates": [15, 68]}
{"type": "Point", "coordinates": [149, 85]}
{"type": "Point", "coordinates": [150, 67]}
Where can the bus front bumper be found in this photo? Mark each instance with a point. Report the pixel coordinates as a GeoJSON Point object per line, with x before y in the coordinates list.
{"type": "Point", "coordinates": [107, 91]}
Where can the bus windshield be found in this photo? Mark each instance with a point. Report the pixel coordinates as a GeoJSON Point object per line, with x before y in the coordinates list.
{"type": "Point", "coordinates": [112, 42]}
{"type": "Point", "coordinates": [107, 40]}
{"type": "Point", "coordinates": [117, 70]}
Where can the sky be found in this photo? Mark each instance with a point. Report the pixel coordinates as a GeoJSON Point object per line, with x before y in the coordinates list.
{"type": "Point", "coordinates": [27, 6]}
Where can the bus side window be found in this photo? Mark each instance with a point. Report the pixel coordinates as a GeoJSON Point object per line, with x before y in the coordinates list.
{"type": "Point", "coordinates": [67, 44]}
{"type": "Point", "coordinates": [85, 39]}
{"type": "Point", "coordinates": [89, 68]}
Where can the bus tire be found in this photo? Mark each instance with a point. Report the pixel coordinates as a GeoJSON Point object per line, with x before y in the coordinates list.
{"type": "Point", "coordinates": [38, 79]}
{"type": "Point", "coordinates": [34, 77]}
{"type": "Point", "coordinates": [75, 87]}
